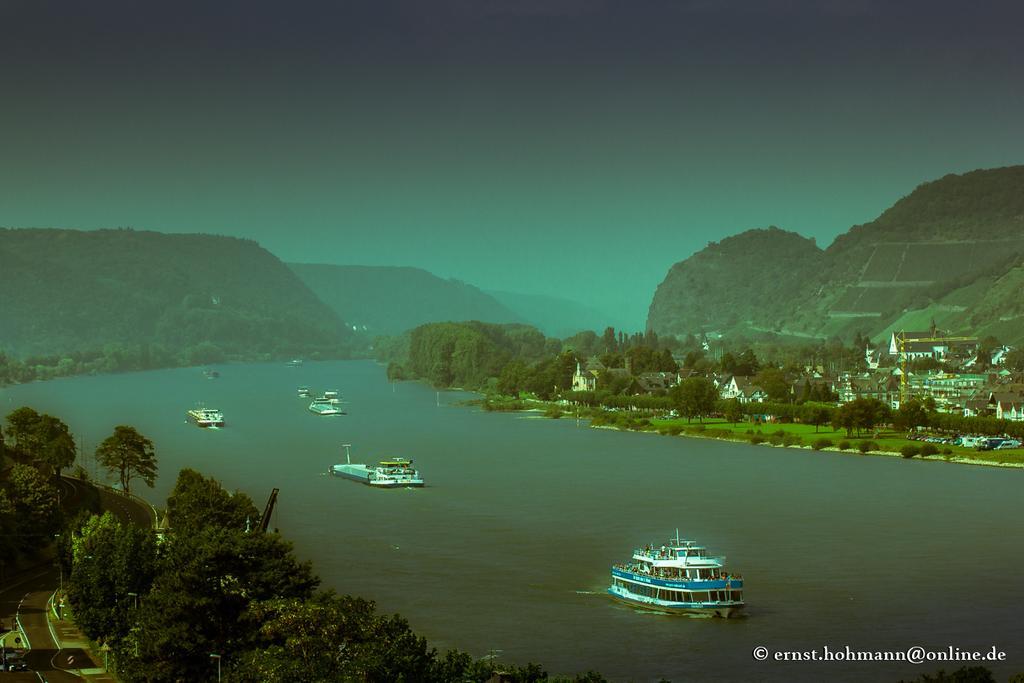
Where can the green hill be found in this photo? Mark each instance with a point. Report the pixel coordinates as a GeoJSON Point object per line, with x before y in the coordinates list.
{"type": "Point", "coordinates": [948, 250]}
{"type": "Point", "coordinates": [170, 298]}
{"type": "Point", "coordinates": [387, 300]}
{"type": "Point", "coordinates": [744, 281]}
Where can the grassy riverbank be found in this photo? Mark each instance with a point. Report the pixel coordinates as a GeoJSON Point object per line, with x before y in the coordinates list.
{"type": "Point", "coordinates": [792, 435]}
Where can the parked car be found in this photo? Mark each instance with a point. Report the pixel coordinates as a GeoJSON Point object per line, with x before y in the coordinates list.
{"type": "Point", "coordinates": [1008, 443]}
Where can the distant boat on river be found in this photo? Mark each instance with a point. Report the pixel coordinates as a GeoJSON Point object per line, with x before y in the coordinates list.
{"type": "Point", "coordinates": [206, 417]}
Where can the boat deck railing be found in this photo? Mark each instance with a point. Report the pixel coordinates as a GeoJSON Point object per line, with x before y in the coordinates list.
{"type": "Point", "coordinates": [636, 570]}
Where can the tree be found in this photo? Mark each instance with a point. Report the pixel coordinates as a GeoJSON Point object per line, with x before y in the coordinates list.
{"type": "Point", "coordinates": [733, 411]}
{"type": "Point", "coordinates": [816, 414]}
{"type": "Point", "coordinates": [608, 342]}
{"type": "Point", "coordinates": [910, 415]}
{"type": "Point", "coordinates": [41, 439]}
{"type": "Point", "coordinates": [205, 583]}
{"type": "Point", "coordinates": [56, 445]}
{"type": "Point", "coordinates": [199, 501]}
{"type": "Point", "coordinates": [109, 561]}
{"type": "Point", "coordinates": [747, 363]}
{"type": "Point", "coordinates": [695, 397]}
{"type": "Point", "coordinates": [33, 505]}
{"type": "Point", "coordinates": [512, 379]}
{"type": "Point", "coordinates": [23, 428]}
{"type": "Point", "coordinates": [843, 418]}
{"type": "Point", "coordinates": [1015, 360]}
{"type": "Point", "coordinates": [129, 454]}
{"type": "Point", "coordinates": [691, 358]}
{"type": "Point", "coordinates": [860, 414]}
{"type": "Point", "coordinates": [774, 383]}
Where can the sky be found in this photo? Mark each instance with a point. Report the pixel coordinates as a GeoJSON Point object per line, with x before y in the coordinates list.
{"type": "Point", "coordinates": [574, 148]}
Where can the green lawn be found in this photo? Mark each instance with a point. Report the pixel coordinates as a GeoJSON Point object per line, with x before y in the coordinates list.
{"type": "Point", "coordinates": [887, 440]}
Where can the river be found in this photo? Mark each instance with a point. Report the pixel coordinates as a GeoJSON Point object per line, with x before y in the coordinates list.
{"type": "Point", "coordinates": [507, 549]}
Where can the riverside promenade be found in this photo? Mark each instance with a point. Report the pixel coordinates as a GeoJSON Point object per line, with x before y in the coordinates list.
{"type": "Point", "coordinates": [30, 602]}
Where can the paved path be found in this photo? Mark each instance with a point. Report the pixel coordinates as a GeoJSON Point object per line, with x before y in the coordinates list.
{"type": "Point", "coordinates": [57, 647]}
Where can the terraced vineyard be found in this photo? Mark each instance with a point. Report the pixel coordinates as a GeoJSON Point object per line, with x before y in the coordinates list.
{"type": "Point", "coordinates": [926, 262]}
{"type": "Point", "coordinates": [874, 301]}
{"type": "Point", "coordinates": [898, 274]}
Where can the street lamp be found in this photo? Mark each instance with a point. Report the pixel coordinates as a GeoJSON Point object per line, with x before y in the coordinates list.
{"type": "Point", "coordinates": [135, 599]}
{"type": "Point", "coordinates": [217, 657]}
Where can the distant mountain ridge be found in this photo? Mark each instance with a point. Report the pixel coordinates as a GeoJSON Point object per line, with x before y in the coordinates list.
{"type": "Point", "coordinates": [388, 300]}
{"type": "Point", "coordinates": [952, 248]}
{"type": "Point", "coordinates": [68, 290]}
{"type": "Point", "coordinates": [552, 315]}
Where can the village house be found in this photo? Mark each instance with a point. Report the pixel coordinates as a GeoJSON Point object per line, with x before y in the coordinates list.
{"type": "Point", "coordinates": [743, 389]}
{"type": "Point", "coordinates": [1007, 406]}
{"type": "Point", "coordinates": [951, 391]}
{"type": "Point", "coordinates": [883, 386]}
{"type": "Point", "coordinates": [656, 382]}
{"type": "Point", "coordinates": [931, 344]}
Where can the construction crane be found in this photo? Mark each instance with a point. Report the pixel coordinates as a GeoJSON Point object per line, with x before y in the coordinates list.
{"type": "Point", "coordinates": [901, 342]}
{"type": "Point", "coordinates": [267, 511]}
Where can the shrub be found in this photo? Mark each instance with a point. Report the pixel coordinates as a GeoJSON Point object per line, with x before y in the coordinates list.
{"type": "Point", "coordinates": [820, 444]}
{"type": "Point", "coordinates": [866, 446]}
{"type": "Point", "coordinates": [947, 451]}
{"type": "Point", "coordinates": [929, 449]}
{"type": "Point", "coordinates": [675, 430]}
{"type": "Point", "coordinates": [554, 412]}
{"type": "Point", "coordinates": [791, 440]}
{"type": "Point", "coordinates": [756, 439]}
{"type": "Point", "coordinates": [844, 445]}
{"type": "Point", "coordinates": [750, 431]}
{"type": "Point", "coordinates": [779, 432]}
{"type": "Point", "coordinates": [909, 451]}
{"type": "Point", "coordinates": [775, 440]}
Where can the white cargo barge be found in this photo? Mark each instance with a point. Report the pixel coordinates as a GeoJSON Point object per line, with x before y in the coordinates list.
{"type": "Point", "coordinates": [387, 474]}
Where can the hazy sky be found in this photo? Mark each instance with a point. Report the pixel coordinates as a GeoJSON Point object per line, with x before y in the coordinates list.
{"type": "Point", "coordinates": [572, 147]}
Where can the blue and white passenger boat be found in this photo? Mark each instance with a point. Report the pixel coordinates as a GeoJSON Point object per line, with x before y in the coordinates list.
{"type": "Point", "coordinates": [678, 577]}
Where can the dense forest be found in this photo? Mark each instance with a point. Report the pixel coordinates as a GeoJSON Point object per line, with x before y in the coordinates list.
{"type": "Point", "coordinates": [126, 299]}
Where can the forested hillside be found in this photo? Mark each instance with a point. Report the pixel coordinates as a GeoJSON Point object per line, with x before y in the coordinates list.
{"type": "Point", "coordinates": [389, 300]}
{"type": "Point", "coordinates": [951, 250]}
{"type": "Point", "coordinates": [743, 281]}
{"type": "Point", "coordinates": [146, 299]}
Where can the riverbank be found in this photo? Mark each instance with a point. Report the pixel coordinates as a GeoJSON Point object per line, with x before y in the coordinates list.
{"type": "Point", "coordinates": [780, 435]}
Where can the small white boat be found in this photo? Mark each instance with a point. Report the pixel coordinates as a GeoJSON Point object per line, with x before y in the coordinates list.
{"type": "Point", "coordinates": [304, 392]}
{"type": "Point", "coordinates": [206, 417]}
{"type": "Point", "coordinates": [331, 397]}
{"type": "Point", "coordinates": [318, 407]}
